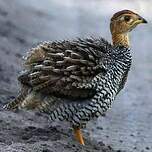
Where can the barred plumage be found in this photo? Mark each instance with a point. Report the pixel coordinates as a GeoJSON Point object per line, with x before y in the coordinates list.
{"type": "Point", "coordinates": [77, 80]}
{"type": "Point", "coordinates": [89, 93]}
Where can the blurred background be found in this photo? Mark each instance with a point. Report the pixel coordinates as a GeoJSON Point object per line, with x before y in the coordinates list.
{"type": "Point", "coordinates": [24, 23]}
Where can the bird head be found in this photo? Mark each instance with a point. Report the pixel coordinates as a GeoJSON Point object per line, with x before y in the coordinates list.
{"type": "Point", "coordinates": [125, 21]}
{"type": "Point", "coordinates": [121, 24]}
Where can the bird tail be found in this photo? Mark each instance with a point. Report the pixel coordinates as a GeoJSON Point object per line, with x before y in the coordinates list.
{"type": "Point", "coordinates": [14, 104]}
{"type": "Point", "coordinates": [54, 107]}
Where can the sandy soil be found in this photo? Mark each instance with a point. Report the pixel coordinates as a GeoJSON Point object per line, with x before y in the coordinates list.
{"type": "Point", "coordinates": [126, 127]}
{"type": "Point", "coordinates": [31, 132]}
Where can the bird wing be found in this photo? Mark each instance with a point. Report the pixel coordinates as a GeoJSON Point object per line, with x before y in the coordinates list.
{"type": "Point", "coordinates": [59, 67]}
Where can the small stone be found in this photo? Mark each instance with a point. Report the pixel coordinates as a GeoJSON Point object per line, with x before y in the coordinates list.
{"type": "Point", "coordinates": [99, 127]}
{"type": "Point", "coordinates": [46, 150]}
{"type": "Point", "coordinates": [131, 135]}
{"type": "Point", "coordinates": [26, 137]}
{"type": "Point", "coordinates": [147, 148]}
{"type": "Point", "coordinates": [135, 148]}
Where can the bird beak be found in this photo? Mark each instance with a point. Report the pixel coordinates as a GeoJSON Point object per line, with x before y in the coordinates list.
{"type": "Point", "coordinates": [141, 20]}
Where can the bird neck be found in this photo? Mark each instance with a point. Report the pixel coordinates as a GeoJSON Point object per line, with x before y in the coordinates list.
{"type": "Point", "coordinates": [120, 39]}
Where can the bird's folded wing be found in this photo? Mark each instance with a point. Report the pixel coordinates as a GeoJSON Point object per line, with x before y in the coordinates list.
{"type": "Point", "coordinates": [59, 67]}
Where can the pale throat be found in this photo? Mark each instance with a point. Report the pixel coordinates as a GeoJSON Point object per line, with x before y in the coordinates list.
{"type": "Point", "coordinates": [120, 39]}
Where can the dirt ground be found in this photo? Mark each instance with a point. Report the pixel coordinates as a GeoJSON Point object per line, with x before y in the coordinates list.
{"type": "Point", "coordinates": [126, 127]}
{"type": "Point", "coordinates": [31, 132]}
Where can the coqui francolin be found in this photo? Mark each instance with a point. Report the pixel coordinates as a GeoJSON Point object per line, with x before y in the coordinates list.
{"type": "Point", "coordinates": [77, 80]}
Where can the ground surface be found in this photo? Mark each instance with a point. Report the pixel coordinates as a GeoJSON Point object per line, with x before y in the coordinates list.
{"type": "Point", "coordinates": [30, 132]}
{"type": "Point", "coordinates": [127, 126]}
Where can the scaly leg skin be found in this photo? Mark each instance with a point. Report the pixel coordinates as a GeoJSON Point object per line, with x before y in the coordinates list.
{"type": "Point", "coordinates": [78, 135]}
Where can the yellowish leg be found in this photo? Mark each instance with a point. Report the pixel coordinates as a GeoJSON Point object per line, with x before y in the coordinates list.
{"type": "Point", "coordinates": [78, 135]}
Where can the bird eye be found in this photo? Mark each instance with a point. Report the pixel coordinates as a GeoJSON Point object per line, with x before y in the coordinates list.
{"type": "Point", "coordinates": [127, 18]}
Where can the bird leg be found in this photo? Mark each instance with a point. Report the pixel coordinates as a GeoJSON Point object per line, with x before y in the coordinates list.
{"type": "Point", "coordinates": [78, 135]}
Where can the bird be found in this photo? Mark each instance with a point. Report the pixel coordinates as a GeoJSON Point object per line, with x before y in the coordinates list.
{"type": "Point", "coordinates": [77, 80]}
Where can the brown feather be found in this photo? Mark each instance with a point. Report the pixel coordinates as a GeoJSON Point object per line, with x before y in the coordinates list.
{"type": "Point", "coordinates": [58, 67]}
